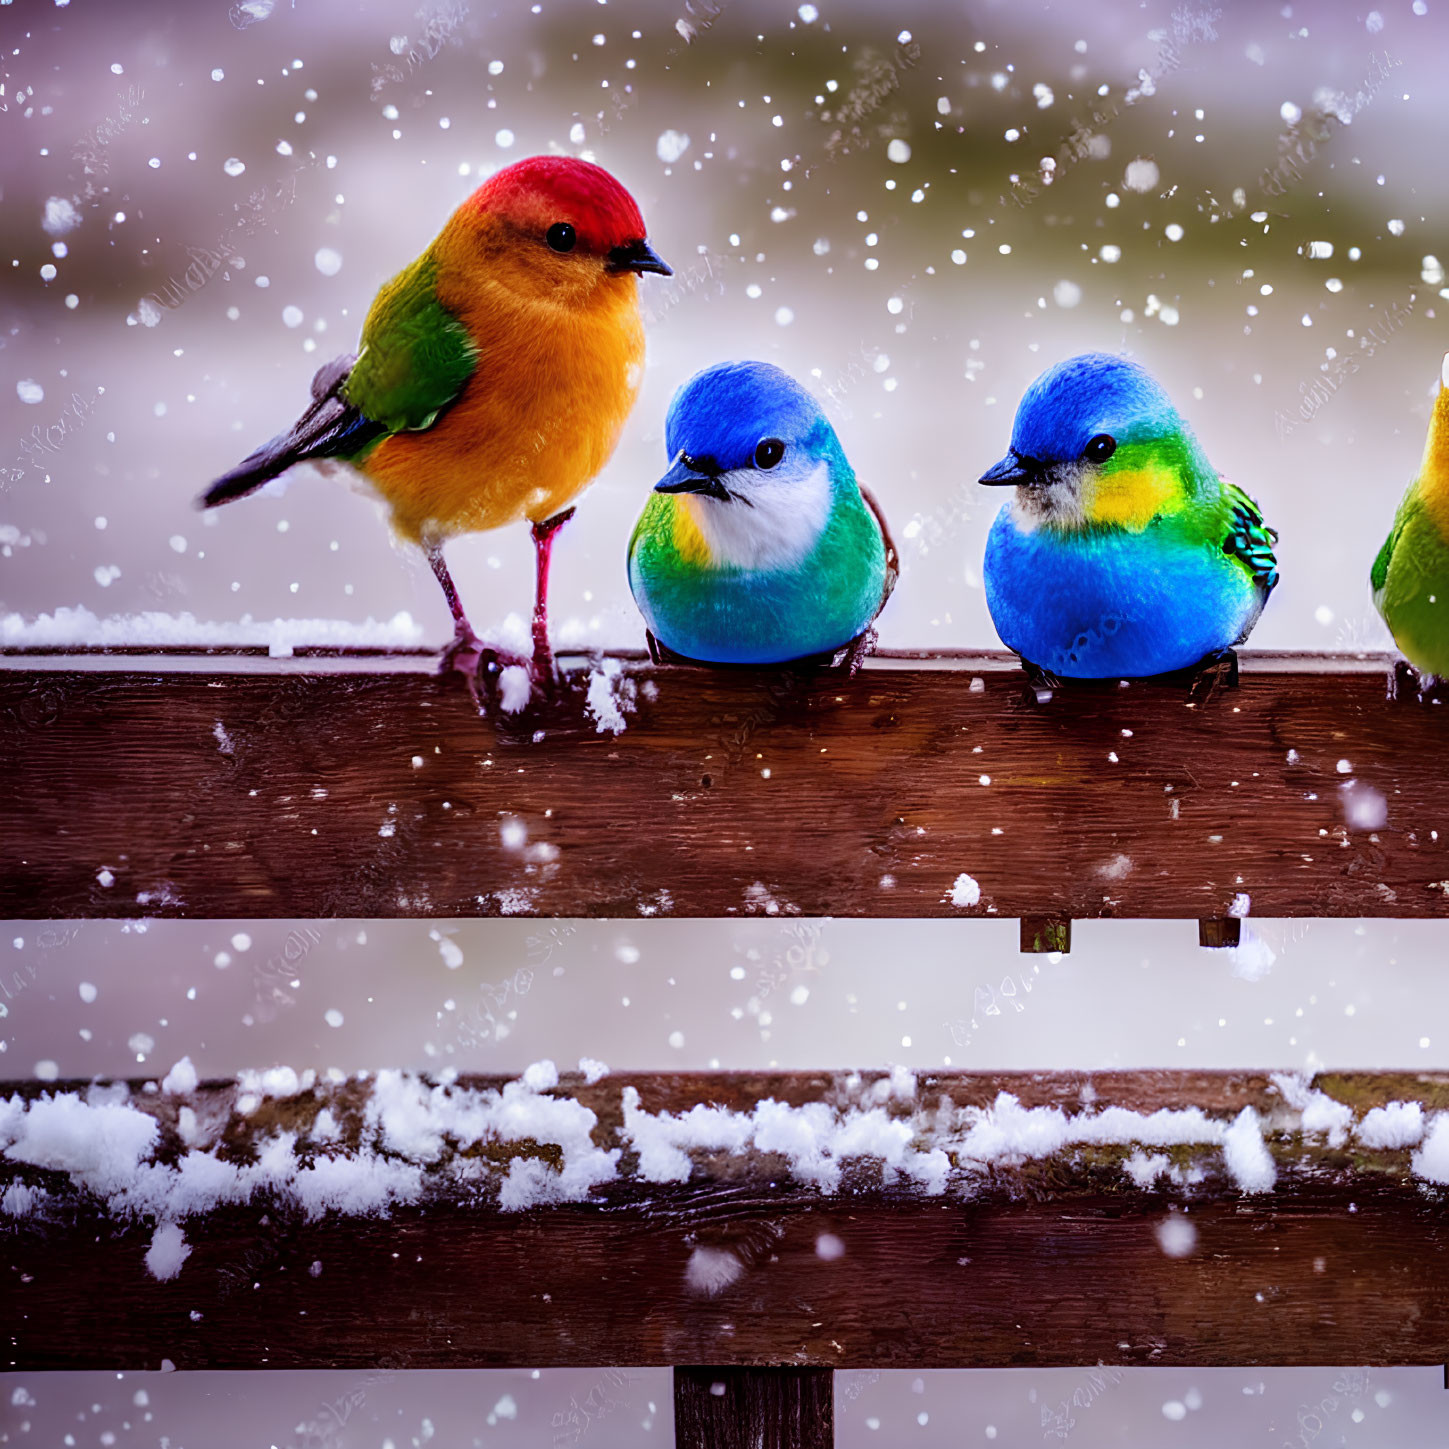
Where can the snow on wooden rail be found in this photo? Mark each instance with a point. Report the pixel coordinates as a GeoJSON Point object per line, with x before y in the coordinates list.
{"type": "Point", "coordinates": [861, 1219]}
{"type": "Point", "coordinates": [923, 787]}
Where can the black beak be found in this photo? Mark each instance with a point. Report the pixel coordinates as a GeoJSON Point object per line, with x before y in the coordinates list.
{"type": "Point", "coordinates": [1015, 470]}
{"type": "Point", "coordinates": [638, 256]}
{"type": "Point", "coordinates": [694, 475]}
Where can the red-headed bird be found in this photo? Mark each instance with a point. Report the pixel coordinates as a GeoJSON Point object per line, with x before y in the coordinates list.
{"type": "Point", "coordinates": [494, 376]}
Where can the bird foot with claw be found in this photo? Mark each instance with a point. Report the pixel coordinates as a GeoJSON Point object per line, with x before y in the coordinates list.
{"type": "Point", "coordinates": [852, 658]}
{"type": "Point", "coordinates": [471, 656]}
{"type": "Point", "coordinates": [1217, 671]}
{"type": "Point", "coordinates": [464, 654]}
{"type": "Point", "coordinates": [1409, 684]}
{"type": "Point", "coordinates": [543, 669]}
{"type": "Point", "coordinates": [481, 663]}
{"type": "Point", "coordinates": [1041, 683]}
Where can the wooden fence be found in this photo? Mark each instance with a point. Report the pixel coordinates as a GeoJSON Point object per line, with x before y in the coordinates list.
{"type": "Point", "coordinates": [939, 786]}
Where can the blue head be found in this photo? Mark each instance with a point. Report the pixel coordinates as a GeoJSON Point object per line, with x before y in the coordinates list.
{"type": "Point", "coordinates": [737, 417]}
{"type": "Point", "coordinates": [754, 461]}
{"type": "Point", "coordinates": [1096, 439]}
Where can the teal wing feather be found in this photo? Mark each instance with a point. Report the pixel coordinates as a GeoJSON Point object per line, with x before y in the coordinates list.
{"type": "Point", "coordinates": [416, 355]}
{"type": "Point", "coordinates": [1249, 539]}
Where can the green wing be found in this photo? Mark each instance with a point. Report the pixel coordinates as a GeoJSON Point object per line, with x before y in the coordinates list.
{"type": "Point", "coordinates": [1379, 574]}
{"type": "Point", "coordinates": [1249, 539]}
{"type": "Point", "coordinates": [416, 356]}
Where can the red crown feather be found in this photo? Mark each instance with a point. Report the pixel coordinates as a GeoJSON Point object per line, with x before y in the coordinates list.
{"type": "Point", "coordinates": [544, 189]}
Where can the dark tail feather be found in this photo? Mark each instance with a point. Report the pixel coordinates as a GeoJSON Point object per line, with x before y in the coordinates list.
{"type": "Point", "coordinates": [330, 428]}
{"type": "Point", "coordinates": [268, 462]}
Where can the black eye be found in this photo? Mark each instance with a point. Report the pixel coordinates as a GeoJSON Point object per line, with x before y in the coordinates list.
{"type": "Point", "coordinates": [768, 452]}
{"type": "Point", "coordinates": [1100, 448]}
{"type": "Point", "coordinates": [561, 236]}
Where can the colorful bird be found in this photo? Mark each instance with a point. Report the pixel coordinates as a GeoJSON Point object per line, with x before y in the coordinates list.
{"type": "Point", "coordinates": [1122, 553]}
{"type": "Point", "coordinates": [494, 376]}
{"type": "Point", "coordinates": [1410, 576]}
{"type": "Point", "coordinates": [758, 546]}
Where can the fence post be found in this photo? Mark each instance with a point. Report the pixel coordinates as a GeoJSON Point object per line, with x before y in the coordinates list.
{"type": "Point", "coordinates": [1220, 931]}
{"type": "Point", "coordinates": [754, 1408]}
{"type": "Point", "coordinates": [1041, 934]}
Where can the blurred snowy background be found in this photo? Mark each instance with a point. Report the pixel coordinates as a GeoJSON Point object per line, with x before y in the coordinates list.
{"type": "Point", "coordinates": [131, 998]}
{"type": "Point", "coordinates": [199, 202]}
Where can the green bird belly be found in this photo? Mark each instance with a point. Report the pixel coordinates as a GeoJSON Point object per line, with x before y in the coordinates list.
{"type": "Point", "coordinates": [735, 616]}
{"type": "Point", "coordinates": [1414, 595]}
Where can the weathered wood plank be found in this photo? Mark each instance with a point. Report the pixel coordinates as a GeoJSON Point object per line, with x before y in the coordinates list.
{"type": "Point", "coordinates": [754, 1408]}
{"type": "Point", "coordinates": [384, 794]}
{"type": "Point", "coordinates": [1052, 1259]}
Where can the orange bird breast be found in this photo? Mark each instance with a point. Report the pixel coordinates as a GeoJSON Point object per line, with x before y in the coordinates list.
{"type": "Point", "coordinates": [558, 371]}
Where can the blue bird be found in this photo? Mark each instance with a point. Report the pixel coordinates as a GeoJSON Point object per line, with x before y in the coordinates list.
{"type": "Point", "coordinates": [1122, 552]}
{"type": "Point", "coordinates": [757, 546]}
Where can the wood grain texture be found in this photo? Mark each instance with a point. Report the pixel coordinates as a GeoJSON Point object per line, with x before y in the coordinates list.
{"type": "Point", "coordinates": [754, 1408]}
{"type": "Point", "coordinates": [1052, 1261]}
{"type": "Point", "coordinates": [730, 792]}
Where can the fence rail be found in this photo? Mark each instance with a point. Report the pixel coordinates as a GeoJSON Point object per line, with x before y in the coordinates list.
{"type": "Point", "coordinates": [364, 788]}
{"type": "Point", "coordinates": [858, 1221]}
